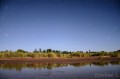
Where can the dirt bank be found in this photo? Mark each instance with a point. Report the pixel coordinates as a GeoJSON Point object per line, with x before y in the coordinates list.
{"type": "Point", "coordinates": [59, 60]}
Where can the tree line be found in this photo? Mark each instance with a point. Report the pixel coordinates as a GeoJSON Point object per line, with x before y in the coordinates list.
{"type": "Point", "coordinates": [56, 53]}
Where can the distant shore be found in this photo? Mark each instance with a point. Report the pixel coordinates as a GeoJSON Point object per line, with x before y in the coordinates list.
{"type": "Point", "coordinates": [59, 60]}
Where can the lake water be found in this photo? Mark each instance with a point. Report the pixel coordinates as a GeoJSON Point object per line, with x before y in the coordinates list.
{"type": "Point", "coordinates": [94, 70]}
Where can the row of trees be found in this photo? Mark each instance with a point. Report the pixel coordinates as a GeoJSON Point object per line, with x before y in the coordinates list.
{"type": "Point", "coordinates": [50, 50]}
{"type": "Point", "coordinates": [55, 53]}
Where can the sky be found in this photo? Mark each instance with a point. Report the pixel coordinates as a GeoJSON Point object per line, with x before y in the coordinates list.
{"type": "Point", "coordinates": [72, 25]}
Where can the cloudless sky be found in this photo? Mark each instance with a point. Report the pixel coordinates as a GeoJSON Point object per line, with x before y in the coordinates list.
{"type": "Point", "coordinates": [72, 25]}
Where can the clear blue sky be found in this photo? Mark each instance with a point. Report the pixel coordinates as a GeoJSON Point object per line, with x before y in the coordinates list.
{"type": "Point", "coordinates": [72, 25]}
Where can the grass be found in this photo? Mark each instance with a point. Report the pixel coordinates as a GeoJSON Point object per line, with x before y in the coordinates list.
{"type": "Point", "coordinates": [55, 55]}
{"type": "Point", "coordinates": [49, 53]}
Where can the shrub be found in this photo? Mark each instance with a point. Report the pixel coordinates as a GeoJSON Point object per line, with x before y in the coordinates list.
{"type": "Point", "coordinates": [114, 54]}
{"type": "Point", "coordinates": [52, 55]}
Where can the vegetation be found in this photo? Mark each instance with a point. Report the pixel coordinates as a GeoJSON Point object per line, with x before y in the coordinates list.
{"type": "Point", "coordinates": [56, 53]}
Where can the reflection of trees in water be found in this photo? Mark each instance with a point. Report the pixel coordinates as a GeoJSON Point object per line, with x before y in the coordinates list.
{"type": "Point", "coordinates": [100, 63]}
{"type": "Point", "coordinates": [115, 63]}
{"type": "Point", "coordinates": [80, 64]}
{"type": "Point", "coordinates": [105, 63]}
{"type": "Point", "coordinates": [18, 67]}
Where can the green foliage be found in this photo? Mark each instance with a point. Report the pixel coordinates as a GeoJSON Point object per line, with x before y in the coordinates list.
{"type": "Point", "coordinates": [99, 54]}
{"type": "Point", "coordinates": [59, 55]}
{"type": "Point", "coordinates": [77, 54]}
{"type": "Point", "coordinates": [102, 53]}
{"type": "Point", "coordinates": [67, 56]}
{"type": "Point", "coordinates": [55, 53]}
{"type": "Point", "coordinates": [52, 55]}
{"type": "Point", "coordinates": [20, 50]}
{"type": "Point", "coordinates": [49, 50]}
{"type": "Point", "coordinates": [114, 54]}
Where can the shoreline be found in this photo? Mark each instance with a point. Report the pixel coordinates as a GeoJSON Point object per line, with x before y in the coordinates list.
{"type": "Point", "coordinates": [59, 60]}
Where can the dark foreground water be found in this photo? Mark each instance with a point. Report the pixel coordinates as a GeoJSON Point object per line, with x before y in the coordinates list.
{"type": "Point", "coordinates": [98, 70]}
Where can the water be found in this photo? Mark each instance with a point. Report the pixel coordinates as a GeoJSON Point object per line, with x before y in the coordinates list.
{"type": "Point", "coordinates": [98, 70]}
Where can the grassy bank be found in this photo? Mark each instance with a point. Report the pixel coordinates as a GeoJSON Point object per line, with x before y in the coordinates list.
{"type": "Point", "coordinates": [56, 54]}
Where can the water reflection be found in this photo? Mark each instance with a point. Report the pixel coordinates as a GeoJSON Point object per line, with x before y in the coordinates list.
{"type": "Point", "coordinates": [19, 67]}
{"type": "Point", "coordinates": [105, 63]}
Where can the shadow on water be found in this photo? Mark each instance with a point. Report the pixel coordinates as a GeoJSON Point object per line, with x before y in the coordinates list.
{"type": "Point", "coordinates": [19, 67]}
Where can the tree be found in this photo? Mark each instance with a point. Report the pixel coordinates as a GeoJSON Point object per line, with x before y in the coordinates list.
{"type": "Point", "coordinates": [35, 51]}
{"type": "Point", "coordinates": [53, 51]}
{"type": "Point", "coordinates": [44, 51]}
{"type": "Point", "coordinates": [118, 51]}
{"type": "Point", "coordinates": [40, 50]}
{"type": "Point", "coordinates": [89, 51]}
{"type": "Point", "coordinates": [49, 50]}
{"type": "Point", "coordinates": [6, 51]}
{"type": "Point", "coordinates": [20, 50]}
{"type": "Point", "coordinates": [56, 51]}
{"type": "Point", "coordinates": [65, 52]}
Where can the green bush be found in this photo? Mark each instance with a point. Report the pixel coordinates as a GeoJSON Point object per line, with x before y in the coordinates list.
{"type": "Point", "coordinates": [77, 54]}
{"type": "Point", "coordinates": [59, 55]}
{"type": "Point", "coordinates": [52, 55]}
{"type": "Point", "coordinates": [114, 54]}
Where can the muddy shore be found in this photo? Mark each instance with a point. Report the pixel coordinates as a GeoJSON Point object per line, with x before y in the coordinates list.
{"type": "Point", "coordinates": [59, 60]}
